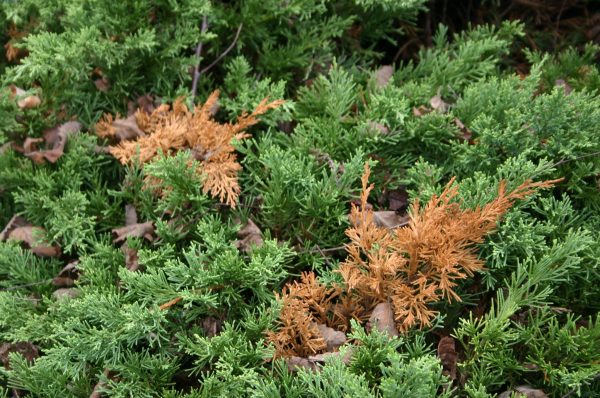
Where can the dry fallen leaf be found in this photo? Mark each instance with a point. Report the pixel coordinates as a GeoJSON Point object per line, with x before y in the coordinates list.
{"type": "Point", "coordinates": [144, 230]}
{"type": "Point", "coordinates": [333, 338]}
{"type": "Point", "coordinates": [379, 127]}
{"type": "Point", "coordinates": [439, 104]}
{"type": "Point", "coordinates": [145, 103]}
{"type": "Point", "coordinates": [63, 281]}
{"type": "Point", "coordinates": [211, 326]}
{"type": "Point", "coordinates": [130, 215]}
{"type": "Point", "coordinates": [421, 110]}
{"type": "Point", "coordinates": [396, 199]}
{"type": "Point", "coordinates": [385, 218]}
{"type": "Point", "coordinates": [14, 222]}
{"type": "Point", "coordinates": [250, 235]}
{"type": "Point", "coordinates": [389, 219]}
{"type": "Point", "coordinates": [29, 102]}
{"type": "Point", "coordinates": [25, 101]}
{"type": "Point", "coordinates": [20, 230]}
{"type": "Point", "coordinates": [34, 238]}
{"type": "Point", "coordinates": [314, 362]}
{"type": "Point", "coordinates": [55, 139]}
{"type": "Point", "coordinates": [448, 356]}
{"type": "Point", "coordinates": [382, 319]}
{"type": "Point", "coordinates": [25, 348]}
{"type": "Point", "coordinates": [70, 269]}
{"type": "Point", "coordinates": [524, 392]}
{"type": "Point", "coordinates": [383, 75]}
{"type": "Point", "coordinates": [131, 254]}
{"type": "Point", "coordinates": [97, 392]}
{"type": "Point", "coordinates": [321, 358]}
{"type": "Point", "coordinates": [466, 133]}
{"type": "Point", "coordinates": [131, 258]}
{"type": "Point", "coordinates": [102, 84]}
{"type": "Point", "coordinates": [67, 276]}
{"type": "Point", "coordinates": [119, 129]}
{"type": "Point", "coordinates": [62, 293]}
{"type": "Point", "coordinates": [562, 83]}
{"type": "Point", "coordinates": [296, 363]}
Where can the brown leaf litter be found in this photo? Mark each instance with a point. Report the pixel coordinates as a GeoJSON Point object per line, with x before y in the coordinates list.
{"type": "Point", "coordinates": [24, 100]}
{"type": "Point", "coordinates": [438, 103]}
{"type": "Point", "coordinates": [139, 230]}
{"type": "Point", "coordinates": [67, 276]}
{"type": "Point", "coordinates": [55, 140]}
{"type": "Point", "coordinates": [249, 236]}
{"type": "Point", "coordinates": [383, 75]}
{"type": "Point", "coordinates": [315, 362]}
{"type": "Point", "coordinates": [448, 356]}
{"type": "Point", "coordinates": [66, 292]}
{"type": "Point", "coordinates": [382, 319]}
{"type": "Point", "coordinates": [33, 237]}
{"type": "Point", "coordinates": [523, 392]}
{"type": "Point", "coordinates": [132, 229]}
{"type": "Point", "coordinates": [29, 351]}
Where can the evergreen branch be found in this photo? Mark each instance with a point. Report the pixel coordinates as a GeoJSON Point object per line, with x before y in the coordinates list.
{"type": "Point", "coordinates": [224, 53]}
{"type": "Point", "coordinates": [574, 390]}
{"type": "Point", "coordinates": [170, 303]}
{"type": "Point", "coordinates": [317, 249]}
{"type": "Point", "coordinates": [197, 73]}
{"type": "Point", "coordinates": [563, 161]}
{"type": "Point", "coordinates": [17, 287]}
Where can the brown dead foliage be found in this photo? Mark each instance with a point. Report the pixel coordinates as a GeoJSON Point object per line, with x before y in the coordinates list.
{"type": "Point", "coordinates": [304, 305]}
{"type": "Point", "coordinates": [211, 326]}
{"type": "Point", "coordinates": [119, 129]}
{"type": "Point", "coordinates": [131, 258]}
{"type": "Point", "coordinates": [98, 388]}
{"type": "Point", "coordinates": [169, 129]}
{"type": "Point", "coordinates": [14, 52]}
{"type": "Point", "coordinates": [407, 267]}
{"type": "Point", "coordinates": [421, 263]}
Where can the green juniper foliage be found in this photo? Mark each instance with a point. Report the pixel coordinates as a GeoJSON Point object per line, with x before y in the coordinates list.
{"type": "Point", "coordinates": [183, 309]}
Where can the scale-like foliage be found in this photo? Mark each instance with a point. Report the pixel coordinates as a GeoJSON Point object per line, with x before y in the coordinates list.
{"type": "Point", "coordinates": [153, 290]}
{"type": "Point", "coordinates": [409, 267]}
{"type": "Point", "coordinates": [168, 129]}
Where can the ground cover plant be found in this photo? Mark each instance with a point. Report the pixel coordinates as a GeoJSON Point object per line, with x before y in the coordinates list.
{"type": "Point", "coordinates": [306, 198]}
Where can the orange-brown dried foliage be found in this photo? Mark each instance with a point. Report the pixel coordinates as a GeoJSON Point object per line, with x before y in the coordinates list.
{"type": "Point", "coordinates": [14, 53]}
{"type": "Point", "coordinates": [409, 267]}
{"type": "Point", "coordinates": [303, 305]}
{"type": "Point", "coordinates": [174, 128]}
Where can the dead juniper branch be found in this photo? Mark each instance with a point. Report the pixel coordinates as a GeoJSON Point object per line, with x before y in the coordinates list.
{"type": "Point", "coordinates": [175, 128]}
{"type": "Point", "coordinates": [410, 266]}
